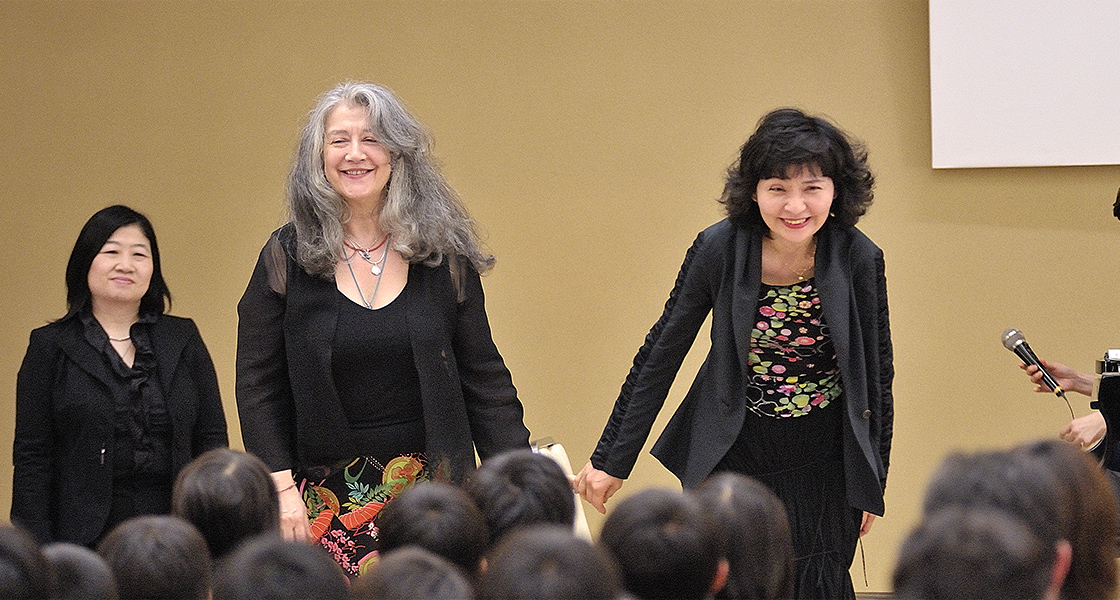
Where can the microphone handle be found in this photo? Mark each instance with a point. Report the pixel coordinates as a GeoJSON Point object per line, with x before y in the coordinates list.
{"type": "Point", "coordinates": [1024, 352]}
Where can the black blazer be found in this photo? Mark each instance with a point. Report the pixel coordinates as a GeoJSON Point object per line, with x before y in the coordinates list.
{"type": "Point", "coordinates": [63, 452]}
{"type": "Point", "coordinates": [721, 275]}
{"type": "Point", "coordinates": [290, 412]}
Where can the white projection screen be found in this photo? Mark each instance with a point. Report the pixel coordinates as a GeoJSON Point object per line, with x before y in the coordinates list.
{"type": "Point", "coordinates": [1023, 83]}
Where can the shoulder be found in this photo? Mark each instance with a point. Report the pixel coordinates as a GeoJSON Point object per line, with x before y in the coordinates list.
{"type": "Point", "coordinates": [853, 242]}
{"type": "Point", "coordinates": [170, 325]}
{"type": "Point", "coordinates": [57, 332]}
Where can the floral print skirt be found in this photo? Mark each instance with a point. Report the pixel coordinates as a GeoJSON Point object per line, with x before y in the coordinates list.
{"type": "Point", "coordinates": [344, 500]}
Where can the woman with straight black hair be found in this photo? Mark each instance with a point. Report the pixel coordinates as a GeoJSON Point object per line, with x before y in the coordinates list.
{"type": "Point", "coordinates": [114, 398]}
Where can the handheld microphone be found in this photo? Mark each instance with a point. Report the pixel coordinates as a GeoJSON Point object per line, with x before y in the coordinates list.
{"type": "Point", "coordinates": [1014, 341]}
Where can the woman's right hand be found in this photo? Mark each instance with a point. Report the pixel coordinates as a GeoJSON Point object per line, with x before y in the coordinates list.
{"type": "Point", "coordinates": [1069, 378]}
{"type": "Point", "coordinates": [293, 512]}
{"type": "Point", "coordinates": [596, 487]}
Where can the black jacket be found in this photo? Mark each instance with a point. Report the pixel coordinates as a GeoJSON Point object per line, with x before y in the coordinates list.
{"type": "Point", "coordinates": [290, 412]}
{"type": "Point", "coordinates": [62, 482]}
{"type": "Point", "coordinates": [721, 275]}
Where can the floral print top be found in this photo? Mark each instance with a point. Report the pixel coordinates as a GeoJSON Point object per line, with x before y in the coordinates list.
{"type": "Point", "coordinates": [792, 368]}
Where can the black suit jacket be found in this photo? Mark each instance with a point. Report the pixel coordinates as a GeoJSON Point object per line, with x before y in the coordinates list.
{"type": "Point", "coordinates": [721, 275]}
{"type": "Point", "coordinates": [290, 412]}
{"type": "Point", "coordinates": [63, 451]}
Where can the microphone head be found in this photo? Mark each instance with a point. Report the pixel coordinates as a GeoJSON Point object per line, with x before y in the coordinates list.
{"type": "Point", "coordinates": [1011, 338]}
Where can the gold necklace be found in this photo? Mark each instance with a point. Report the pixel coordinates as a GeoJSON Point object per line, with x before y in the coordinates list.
{"type": "Point", "coordinates": [801, 274]}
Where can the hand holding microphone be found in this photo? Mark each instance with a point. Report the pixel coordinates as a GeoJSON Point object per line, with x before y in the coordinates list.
{"type": "Point", "coordinates": [1014, 341]}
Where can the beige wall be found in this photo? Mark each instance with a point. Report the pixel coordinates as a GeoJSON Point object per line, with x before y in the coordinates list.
{"type": "Point", "coordinates": [590, 140]}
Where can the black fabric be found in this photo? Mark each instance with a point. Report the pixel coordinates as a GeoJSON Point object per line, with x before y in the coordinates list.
{"type": "Point", "coordinates": [721, 275]}
{"type": "Point", "coordinates": [289, 407]}
{"type": "Point", "coordinates": [65, 451]}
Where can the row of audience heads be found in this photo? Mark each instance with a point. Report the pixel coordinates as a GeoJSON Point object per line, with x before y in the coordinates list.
{"type": "Point", "coordinates": [1036, 521]}
{"type": "Point", "coordinates": [507, 533]}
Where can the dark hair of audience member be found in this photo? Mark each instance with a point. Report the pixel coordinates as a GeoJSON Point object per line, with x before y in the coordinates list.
{"type": "Point", "coordinates": [78, 573]}
{"type": "Point", "coordinates": [548, 561]}
{"type": "Point", "coordinates": [754, 536]}
{"type": "Point", "coordinates": [438, 517]}
{"type": "Point", "coordinates": [229, 496]}
{"type": "Point", "coordinates": [664, 545]}
{"type": "Point", "coordinates": [1093, 522]}
{"type": "Point", "coordinates": [158, 557]}
{"type": "Point", "coordinates": [1004, 481]}
{"type": "Point", "coordinates": [268, 567]}
{"type": "Point", "coordinates": [23, 570]}
{"type": "Point", "coordinates": [412, 572]}
{"type": "Point", "coordinates": [976, 552]}
{"type": "Point", "coordinates": [520, 487]}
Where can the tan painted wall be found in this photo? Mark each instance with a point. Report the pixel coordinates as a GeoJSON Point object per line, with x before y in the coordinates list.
{"type": "Point", "coordinates": [590, 140]}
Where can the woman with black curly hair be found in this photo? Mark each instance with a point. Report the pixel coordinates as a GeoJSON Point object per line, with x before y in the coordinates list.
{"type": "Point", "coordinates": [796, 388]}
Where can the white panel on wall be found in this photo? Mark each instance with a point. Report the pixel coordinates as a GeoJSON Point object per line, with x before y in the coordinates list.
{"type": "Point", "coordinates": [1024, 82]}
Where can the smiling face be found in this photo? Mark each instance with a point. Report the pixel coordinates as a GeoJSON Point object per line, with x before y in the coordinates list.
{"type": "Point", "coordinates": [356, 165]}
{"type": "Point", "coordinates": [122, 270]}
{"type": "Point", "coordinates": [795, 207]}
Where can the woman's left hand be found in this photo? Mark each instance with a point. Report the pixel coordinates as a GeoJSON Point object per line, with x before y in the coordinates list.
{"type": "Point", "coordinates": [865, 527]}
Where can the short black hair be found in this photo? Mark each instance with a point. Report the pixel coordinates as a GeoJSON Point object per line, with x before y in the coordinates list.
{"type": "Point", "coordinates": [787, 139]}
{"type": "Point", "coordinates": [97, 230]}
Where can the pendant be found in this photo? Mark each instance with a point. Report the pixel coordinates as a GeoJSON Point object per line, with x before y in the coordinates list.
{"type": "Point", "coordinates": [376, 270]}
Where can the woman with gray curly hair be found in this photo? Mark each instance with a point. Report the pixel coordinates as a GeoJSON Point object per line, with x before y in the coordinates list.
{"type": "Point", "coordinates": [365, 361]}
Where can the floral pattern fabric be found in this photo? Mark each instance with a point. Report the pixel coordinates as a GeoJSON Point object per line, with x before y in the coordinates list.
{"type": "Point", "coordinates": [792, 362]}
{"type": "Point", "coordinates": [344, 500]}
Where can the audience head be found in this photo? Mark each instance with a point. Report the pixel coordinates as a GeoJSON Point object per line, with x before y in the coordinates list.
{"type": "Point", "coordinates": [754, 536]}
{"type": "Point", "coordinates": [521, 487]}
{"type": "Point", "coordinates": [412, 572]}
{"type": "Point", "coordinates": [97, 230]}
{"type": "Point", "coordinates": [548, 561]}
{"type": "Point", "coordinates": [1005, 481]}
{"type": "Point", "coordinates": [23, 570]}
{"type": "Point", "coordinates": [978, 553]}
{"type": "Point", "coordinates": [269, 567]}
{"type": "Point", "coordinates": [158, 556]}
{"type": "Point", "coordinates": [229, 496]}
{"type": "Point", "coordinates": [78, 573]}
{"type": "Point", "coordinates": [786, 141]}
{"type": "Point", "coordinates": [664, 545]}
{"type": "Point", "coordinates": [1093, 523]}
{"type": "Point", "coordinates": [438, 517]}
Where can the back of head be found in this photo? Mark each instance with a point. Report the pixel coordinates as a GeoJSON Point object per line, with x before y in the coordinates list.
{"type": "Point", "coordinates": [78, 573]}
{"type": "Point", "coordinates": [663, 544]}
{"type": "Point", "coordinates": [1006, 481]}
{"type": "Point", "coordinates": [158, 556]}
{"type": "Point", "coordinates": [23, 570]}
{"type": "Point", "coordinates": [521, 487]}
{"type": "Point", "coordinates": [754, 535]}
{"type": "Point", "coordinates": [438, 517]}
{"type": "Point", "coordinates": [972, 552]}
{"type": "Point", "coordinates": [229, 496]}
{"type": "Point", "coordinates": [1093, 523]}
{"type": "Point", "coordinates": [412, 572]}
{"type": "Point", "coordinates": [548, 561]}
{"type": "Point", "coordinates": [269, 567]}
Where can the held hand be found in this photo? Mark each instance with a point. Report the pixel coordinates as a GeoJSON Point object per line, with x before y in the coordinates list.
{"type": "Point", "coordinates": [1084, 431]}
{"type": "Point", "coordinates": [1069, 378]}
{"type": "Point", "coordinates": [596, 487]}
{"type": "Point", "coordinates": [865, 526]}
{"type": "Point", "coordinates": [293, 512]}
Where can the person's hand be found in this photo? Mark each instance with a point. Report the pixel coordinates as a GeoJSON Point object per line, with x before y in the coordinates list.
{"type": "Point", "coordinates": [293, 512]}
{"type": "Point", "coordinates": [865, 526]}
{"type": "Point", "coordinates": [595, 486]}
{"type": "Point", "coordinates": [1084, 431]}
{"type": "Point", "coordinates": [1069, 378]}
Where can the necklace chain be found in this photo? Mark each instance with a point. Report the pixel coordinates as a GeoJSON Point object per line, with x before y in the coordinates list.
{"type": "Point", "coordinates": [376, 269]}
{"type": "Point", "coordinates": [800, 274]}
